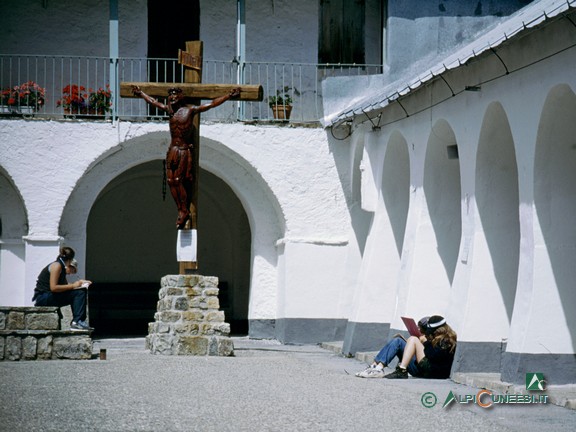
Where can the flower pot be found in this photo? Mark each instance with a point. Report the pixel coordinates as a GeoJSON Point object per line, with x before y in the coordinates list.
{"type": "Point", "coordinates": [75, 112]}
{"type": "Point", "coordinates": [281, 112]}
{"type": "Point", "coordinates": [5, 109]}
{"type": "Point", "coordinates": [26, 109]}
{"type": "Point", "coordinates": [97, 113]}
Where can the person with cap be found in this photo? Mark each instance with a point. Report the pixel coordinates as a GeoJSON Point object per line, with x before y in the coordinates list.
{"type": "Point", "coordinates": [73, 267]}
{"type": "Point", "coordinates": [428, 356]}
{"type": "Point", "coordinates": [52, 288]}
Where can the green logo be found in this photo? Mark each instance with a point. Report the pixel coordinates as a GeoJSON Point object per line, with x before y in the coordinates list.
{"type": "Point", "coordinates": [535, 381]}
{"type": "Point", "coordinates": [429, 399]}
{"type": "Point", "coordinates": [449, 399]}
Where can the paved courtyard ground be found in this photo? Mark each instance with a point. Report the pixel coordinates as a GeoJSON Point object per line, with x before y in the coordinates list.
{"type": "Point", "coordinates": [264, 387]}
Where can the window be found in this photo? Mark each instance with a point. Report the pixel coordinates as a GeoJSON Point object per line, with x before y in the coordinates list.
{"type": "Point", "coordinates": [341, 27]}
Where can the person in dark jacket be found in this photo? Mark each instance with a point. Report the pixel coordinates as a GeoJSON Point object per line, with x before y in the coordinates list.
{"type": "Point", "coordinates": [428, 356]}
{"type": "Point", "coordinates": [52, 288]}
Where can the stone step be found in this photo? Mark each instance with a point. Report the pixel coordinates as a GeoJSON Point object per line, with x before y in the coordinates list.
{"type": "Point", "coordinates": [336, 346]}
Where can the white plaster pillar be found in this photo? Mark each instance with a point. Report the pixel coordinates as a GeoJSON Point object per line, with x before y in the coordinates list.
{"type": "Point", "coordinates": [371, 170]}
{"type": "Point", "coordinates": [40, 251]}
{"type": "Point", "coordinates": [12, 259]}
{"type": "Point", "coordinates": [377, 279]}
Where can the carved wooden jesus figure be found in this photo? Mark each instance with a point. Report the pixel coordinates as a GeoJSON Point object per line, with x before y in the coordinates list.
{"type": "Point", "coordinates": [180, 161]}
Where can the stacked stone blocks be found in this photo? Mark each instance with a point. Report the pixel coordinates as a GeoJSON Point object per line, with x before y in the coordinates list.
{"type": "Point", "coordinates": [35, 333]}
{"type": "Point", "coordinates": [188, 320]}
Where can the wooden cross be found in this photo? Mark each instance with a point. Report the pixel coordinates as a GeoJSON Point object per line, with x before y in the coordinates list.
{"type": "Point", "coordinates": [191, 59]}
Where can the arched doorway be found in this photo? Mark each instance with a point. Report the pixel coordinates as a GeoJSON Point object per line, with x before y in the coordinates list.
{"type": "Point", "coordinates": [131, 244]}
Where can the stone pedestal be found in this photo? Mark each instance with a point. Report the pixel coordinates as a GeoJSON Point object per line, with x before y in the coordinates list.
{"type": "Point", "coordinates": [187, 321]}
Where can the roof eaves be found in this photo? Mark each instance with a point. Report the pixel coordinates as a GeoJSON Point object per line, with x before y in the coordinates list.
{"type": "Point", "coordinates": [537, 13]}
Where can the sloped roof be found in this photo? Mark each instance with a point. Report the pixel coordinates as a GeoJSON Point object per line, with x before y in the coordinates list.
{"type": "Point", "coordinates": [528, 17]}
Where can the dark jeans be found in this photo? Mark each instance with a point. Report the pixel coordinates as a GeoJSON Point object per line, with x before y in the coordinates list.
{"type": "Point", "coordinates": [395, 348]}
{"type": "Point", "coordinates": [75, 298]}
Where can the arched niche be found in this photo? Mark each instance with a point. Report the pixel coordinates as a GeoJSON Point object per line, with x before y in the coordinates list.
{"type": "Point", "coordinates": [396, 186]}
{"type": "Point", "coordinates": [555, 231]}
{"type": "Point", "coordinates": [443, 194]}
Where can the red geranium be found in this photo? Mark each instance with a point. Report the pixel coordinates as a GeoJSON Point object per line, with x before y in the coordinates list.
{"type": "Point", "coordinates": [74, 98]}
{"type": "Point", "coordinates": [26, 94]}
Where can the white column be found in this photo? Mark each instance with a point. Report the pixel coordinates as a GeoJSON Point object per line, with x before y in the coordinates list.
{"type": "Point", "coordinates": [40, 251]}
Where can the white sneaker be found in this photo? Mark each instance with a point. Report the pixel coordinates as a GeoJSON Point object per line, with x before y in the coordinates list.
{"type": "Point", "coordinates": [371, 371]}
{"type": "Point", "coordinates": [365, 371]}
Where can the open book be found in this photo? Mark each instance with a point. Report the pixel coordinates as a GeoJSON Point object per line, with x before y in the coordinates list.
{"type": "Point", "coordinates": [84, 285]}
{"type": "Point", "coordinates": [411, 326]}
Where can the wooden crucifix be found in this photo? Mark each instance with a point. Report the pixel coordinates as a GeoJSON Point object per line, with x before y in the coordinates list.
{"type": "Point", "coordinates": [183, 108]}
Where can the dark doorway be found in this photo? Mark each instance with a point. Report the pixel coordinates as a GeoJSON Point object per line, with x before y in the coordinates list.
{"type": "Point", "coordinates": [171, 23]}
{"type": "Point", "coordinates": [131, 245]}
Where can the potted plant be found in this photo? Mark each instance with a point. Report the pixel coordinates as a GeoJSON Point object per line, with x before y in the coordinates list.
{"type": "Point", "coordinates": [281, 103]}
{"type": "Point", "coordinates": [30, 96]}
{"type": "Point", "coordinates": [25, 98]}
{"type": "Point", "coordinates": [74, 99]}
{"type": "Point", "coordinates": [6, 100]}
{"type": "Point", "coordinates": [99, 101]}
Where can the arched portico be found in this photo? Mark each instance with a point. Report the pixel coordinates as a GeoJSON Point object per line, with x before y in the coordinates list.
{"type": "Point", "coordinates": [223, 166]}
{"type": "Point", "coordinates": [438, 229]}
{"type": "Point", "coordinates": [496, 248]}
{"type": "Point", "coordinates": [386, 187]}
{"type": "Point", "coordinates": [541, 338]}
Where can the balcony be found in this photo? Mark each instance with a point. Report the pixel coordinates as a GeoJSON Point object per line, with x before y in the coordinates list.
{"type": "Point", "coordinates": [83, 77]}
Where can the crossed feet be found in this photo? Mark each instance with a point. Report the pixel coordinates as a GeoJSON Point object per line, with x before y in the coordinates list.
{"type": "Point", "coordinates": [183, 217]}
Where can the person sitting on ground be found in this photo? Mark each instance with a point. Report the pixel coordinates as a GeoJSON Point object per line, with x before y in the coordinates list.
{"type": "Point", "coordinates": [52, 288]}
{"type": "Point", "coordinates": [428, 356]}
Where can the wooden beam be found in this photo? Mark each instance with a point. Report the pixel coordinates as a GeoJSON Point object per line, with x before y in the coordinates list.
{"type": "Point", "coordinates": [195, 50]}
{"type": "Point", "coordinates": [253, 93]}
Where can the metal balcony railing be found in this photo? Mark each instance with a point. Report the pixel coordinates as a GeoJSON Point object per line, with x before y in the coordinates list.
{"type": "Point", "coordinates": [88, 87]}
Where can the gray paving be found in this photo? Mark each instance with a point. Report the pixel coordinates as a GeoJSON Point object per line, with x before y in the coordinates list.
{"type": "Point", "coordinates": [264, 387]}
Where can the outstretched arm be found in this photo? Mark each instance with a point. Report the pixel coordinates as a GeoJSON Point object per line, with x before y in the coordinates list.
{"type": "Point", "coordinates": [219, 100]}
{"type": "Point", "coordinates": [149, 99]}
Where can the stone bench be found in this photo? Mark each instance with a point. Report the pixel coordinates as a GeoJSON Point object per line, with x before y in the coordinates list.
{"type": "Point", "coordinates": [36, 333]}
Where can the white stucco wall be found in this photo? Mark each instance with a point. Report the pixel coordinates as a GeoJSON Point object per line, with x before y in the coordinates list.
{"type": "Point", "coordinates": [508, 134]}
{"type": "Point", "coordinates": [287, 200]}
